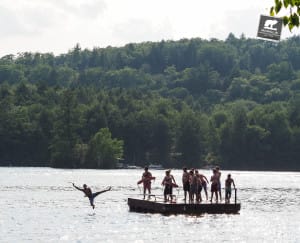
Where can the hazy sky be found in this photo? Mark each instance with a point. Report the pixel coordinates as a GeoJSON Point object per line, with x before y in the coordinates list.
{"type": "Point", "coordinates": [57, 25]}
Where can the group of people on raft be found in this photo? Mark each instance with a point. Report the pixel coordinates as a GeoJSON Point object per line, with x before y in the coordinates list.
{"type": "Point", "coordinates": [192, 182]}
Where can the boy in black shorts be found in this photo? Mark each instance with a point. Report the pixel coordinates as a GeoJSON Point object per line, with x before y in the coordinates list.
{"type": "Point", "coordinates": [228, 183]}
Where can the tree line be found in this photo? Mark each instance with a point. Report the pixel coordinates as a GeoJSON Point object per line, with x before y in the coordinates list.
{"type": "Point", "coordinates": [190, 102]}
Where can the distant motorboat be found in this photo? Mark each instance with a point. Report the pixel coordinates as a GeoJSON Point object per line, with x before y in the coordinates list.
{"type": "Point", "coordinates": [127, 166]}
{"type": "Point", "coordinates": [133, 167]}
{"type": "Point", "coordinates": [208, 167]}
{"type": "Point", "coordinates": [155, 167]}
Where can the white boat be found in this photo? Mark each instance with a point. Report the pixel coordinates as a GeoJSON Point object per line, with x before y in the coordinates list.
{"type": "Point", "coordinates": [155, 167]}
{"type": "Point", "coordinates": [133, 167]}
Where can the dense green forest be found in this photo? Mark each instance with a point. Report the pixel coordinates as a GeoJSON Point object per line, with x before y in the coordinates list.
{"type": "Point", "coordinates": [193, 102]}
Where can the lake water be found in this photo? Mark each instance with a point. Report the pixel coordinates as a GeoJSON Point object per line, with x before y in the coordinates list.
{"type": "Point", "coordinates": [40, 205]}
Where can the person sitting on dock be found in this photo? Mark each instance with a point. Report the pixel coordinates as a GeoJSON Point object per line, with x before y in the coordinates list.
{"type": "Point", "coordinates": [228, 183]}
{"type": "Point", "coordinates": [185, 182]}
{"type": "Point", "coordinates": [146, 180]}
{"type": "Point", "coordinates": [88, 193]}
{"type": "Point", "coordinates": [214, 185]}
{"type": "Point", "coordinates": [168, 182]}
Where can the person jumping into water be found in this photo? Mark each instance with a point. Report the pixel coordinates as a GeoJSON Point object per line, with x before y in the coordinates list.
{"type": "Point", "coordinates": [88, 193]}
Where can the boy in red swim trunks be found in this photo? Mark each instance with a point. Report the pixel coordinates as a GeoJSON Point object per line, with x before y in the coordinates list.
{"type": "Point", "coordinates": [146, 179]}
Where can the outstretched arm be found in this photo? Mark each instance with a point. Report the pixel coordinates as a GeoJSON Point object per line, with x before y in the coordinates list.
{"type": "Point", "coordinates": [205, 179]}
{"type": "Point", "coordinates": [173, 179]}
{"type": "Point", "coordinates": [80, 189]}
{"type": "Point", "coordinates": [233, 183]}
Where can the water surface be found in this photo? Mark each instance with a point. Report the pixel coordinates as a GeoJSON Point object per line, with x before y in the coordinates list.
{"type": "Point", "coordinates": [40, 205]}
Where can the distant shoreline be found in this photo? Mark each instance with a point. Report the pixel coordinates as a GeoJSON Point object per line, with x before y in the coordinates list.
{"type": "Point", "coordinates": [224, 168]}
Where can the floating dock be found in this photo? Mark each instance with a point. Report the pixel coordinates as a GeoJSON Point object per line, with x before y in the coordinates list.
{"type": "Point", "coordinates": [148, 206]}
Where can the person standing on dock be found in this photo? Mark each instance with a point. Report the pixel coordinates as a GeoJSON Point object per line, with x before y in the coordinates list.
{"type": "Point", "coordinates": [228, 183]}
{"type": "Point", "coordinates": [204, 183]}
{"type": "Point", "coordinates": [146, 180]}
{"type": "Point", "coordinates": [185, 182]}
{"type": "Point", "coordinates": [199, 187]}
{"type": "Point", "coordinates": [214, 185]}
{"type": "Point", "coordinates": [219, 181]}
{"type": "Point", "coordinates": [88, 193]}
{"type": "Point", "coordinates": [168, 182]}
{"type": "Point", "coordinates": [193, 185]}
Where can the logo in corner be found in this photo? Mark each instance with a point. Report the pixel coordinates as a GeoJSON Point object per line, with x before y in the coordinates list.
{"type": "Point", "coordinates": [269, 28]}
{"type": "Point", "coordinates": [270, 24]}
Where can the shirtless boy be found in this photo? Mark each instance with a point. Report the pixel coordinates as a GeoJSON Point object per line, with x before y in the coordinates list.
{"type": "Point", "coordinates": [193, 180]}
{"type": "Point", "coordinates": [185, 182]}
{"type": "Point", "coordinates": [168, 182]}
{"type": "Point", "coordinates": [204, 183]}
{"type": "Point", "coordinates": [88, 193]}
{"type": "Point", "coordinates": [219, 182]}
{"type": "Point", "coordinates": [199, 187]}
{"type": "Point", "coordinates": [214, 185]}
{"type": "Point", "coordinates": [228, 183]}
{"type": "Point", "coordinates": [146, 179]}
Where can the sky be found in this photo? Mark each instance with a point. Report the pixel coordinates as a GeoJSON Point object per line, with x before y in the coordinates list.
{"type": "Point", "coordinates": [56, 26]}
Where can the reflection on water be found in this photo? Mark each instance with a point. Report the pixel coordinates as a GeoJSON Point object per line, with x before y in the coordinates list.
{"type": "Point", "coordinates": [40, 205]}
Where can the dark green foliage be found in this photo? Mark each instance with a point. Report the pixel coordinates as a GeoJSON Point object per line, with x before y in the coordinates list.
{"type": "Point", "coordinates": [65, 134]}
{"type": "Point", "coordinates": [291, 19]}
{"type": "Point", "coordinates": [104, 151]}
{"type": "Point", "coordinates": [188, 102]}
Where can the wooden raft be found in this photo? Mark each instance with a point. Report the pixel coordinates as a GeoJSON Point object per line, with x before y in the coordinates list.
{"type": "Point", "coordinates": [148, 206]}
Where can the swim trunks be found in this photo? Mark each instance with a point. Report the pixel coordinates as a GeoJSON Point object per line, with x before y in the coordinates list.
{"type": "Point", "coordinates": [214, 187]}
{"type": "Point", "coordinates": [186, 186]}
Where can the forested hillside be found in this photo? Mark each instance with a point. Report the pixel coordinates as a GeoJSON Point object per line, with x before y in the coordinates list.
{"type": "Point", "coordinates": [190, 102]}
